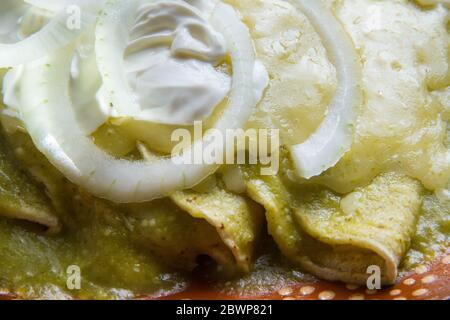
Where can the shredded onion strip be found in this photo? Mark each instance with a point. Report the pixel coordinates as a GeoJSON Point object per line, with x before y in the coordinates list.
{"type": "Point", "coordinates": [328, 144]}
{"type": "Point", "coordinates": [49, 117]}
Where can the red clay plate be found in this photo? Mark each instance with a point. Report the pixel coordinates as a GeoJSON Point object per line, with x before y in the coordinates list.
{"type": "Point", "coordinates": [427, 282]}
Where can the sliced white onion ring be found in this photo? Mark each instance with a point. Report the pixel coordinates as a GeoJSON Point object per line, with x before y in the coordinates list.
{"type": "Point", "coordinates": [112, 34]}
{"type": "Point", "coordinates": [328, 144]}
{"type": "Point", "coordinates": [50, 120]}
{"type": "Point", "coordinates": [11, 15]}
{"type": "Point", "coordinates": [57, 33]}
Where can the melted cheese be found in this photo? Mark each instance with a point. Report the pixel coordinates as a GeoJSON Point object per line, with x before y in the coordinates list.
{"type": "Point", "coordinates": [404, 50]}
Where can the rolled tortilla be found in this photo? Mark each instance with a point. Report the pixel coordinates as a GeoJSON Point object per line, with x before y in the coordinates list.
{"type": "Point", "coordinates": [236, 220]}
{"type": "Point", "coordinates": [176, 238]}
{"type": "Point", "coordinates": [338, 238]}
{"type": "Point", "coordinates": [20, 197]}
{"type": "Point", "coordinates": [213, 223]}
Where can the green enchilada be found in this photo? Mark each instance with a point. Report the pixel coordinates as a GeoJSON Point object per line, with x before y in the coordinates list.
{"type": "Point", "coordinates": [347, 102]}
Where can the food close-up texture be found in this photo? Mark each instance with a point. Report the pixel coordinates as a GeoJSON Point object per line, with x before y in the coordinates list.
{"type": "Point", "coordinates": [356, 93]}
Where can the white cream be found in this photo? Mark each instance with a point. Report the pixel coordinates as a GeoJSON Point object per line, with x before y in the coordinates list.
{"type": "Point", "coordinates": [172, 63]}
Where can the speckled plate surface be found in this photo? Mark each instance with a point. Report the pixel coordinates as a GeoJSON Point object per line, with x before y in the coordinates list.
{"type": "Point", "coordinates": [427, 282]}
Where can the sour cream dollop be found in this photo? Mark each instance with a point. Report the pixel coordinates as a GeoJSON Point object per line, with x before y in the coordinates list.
{"type": "Point", "coordinates": [175, 64]}
{"type": "Point", "coordinates": [171, 63]}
